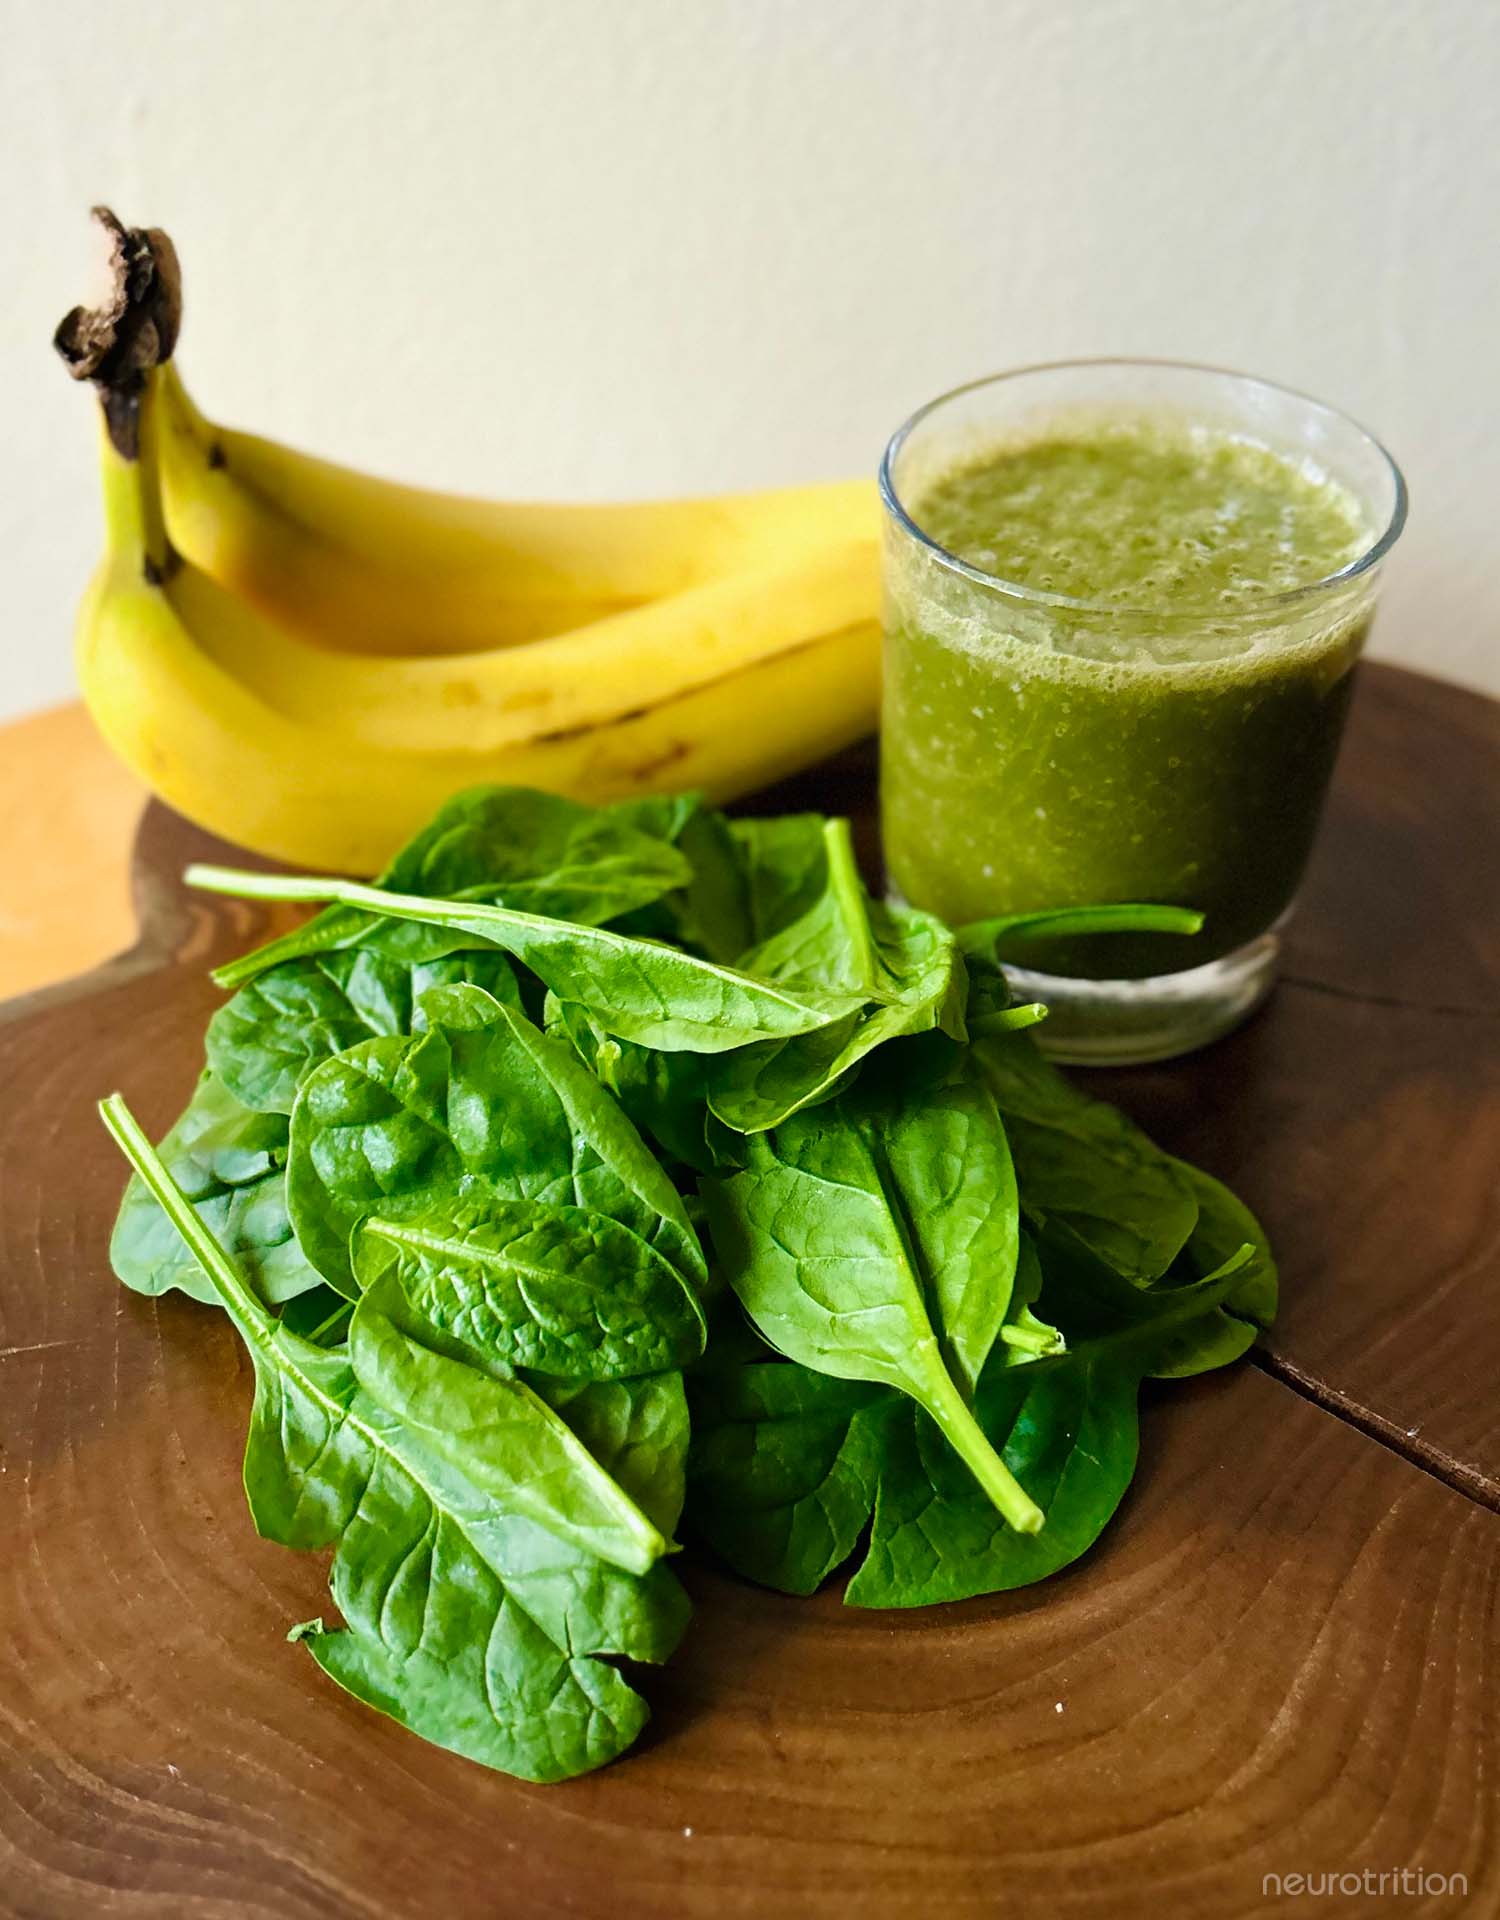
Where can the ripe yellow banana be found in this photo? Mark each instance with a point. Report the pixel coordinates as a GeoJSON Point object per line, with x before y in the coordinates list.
{"type": "Point", "coordinates": [337, 771]}
{"type": "Point", "coordinates": [204, 657]}
{"type": "Point", "coordinates": [366, 566]}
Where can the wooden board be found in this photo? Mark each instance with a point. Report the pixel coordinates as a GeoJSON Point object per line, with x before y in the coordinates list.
{"type": "Point", "coordinates": [1360, 1114]}
{"type": "Point", "coordinates": [1280, 1660]}
{"type": "Point", "coordinates": [68, 816]}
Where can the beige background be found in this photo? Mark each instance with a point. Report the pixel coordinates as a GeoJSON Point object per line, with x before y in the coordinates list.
{"type": "Point", "coordinates": [594, 248]}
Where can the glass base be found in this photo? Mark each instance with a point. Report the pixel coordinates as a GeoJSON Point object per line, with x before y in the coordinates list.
{"type": "Point", "coordinates": [1129, 1023]}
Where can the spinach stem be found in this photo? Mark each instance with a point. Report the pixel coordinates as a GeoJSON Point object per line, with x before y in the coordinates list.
{"type": "Point", "coordinates": [1010, 1019]}
{"type": "Point", "coordinates": [967, 1438]}
{"type": "Point", "coordinates": [298, 886]}
{"type": "Point", "coordinates": [239, 1302]}
{"type": "Point", "coordinates": [1039, 1340]}
{"type": "Point", "coordinates": [849, 898]}
{"type": "Point", "coordinates": [986, 936]}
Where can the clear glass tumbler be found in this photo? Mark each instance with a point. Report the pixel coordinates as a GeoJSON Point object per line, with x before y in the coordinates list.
{"type": "Point", "coordinates": [1041, 751]}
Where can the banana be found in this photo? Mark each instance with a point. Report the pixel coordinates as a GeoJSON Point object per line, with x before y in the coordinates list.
{"type": "Point", "coordinates": [364, 565]}
{"type": "Point", "coordinates": [172, 667]}
{"type": "Point", "coordinates": [310, 662]}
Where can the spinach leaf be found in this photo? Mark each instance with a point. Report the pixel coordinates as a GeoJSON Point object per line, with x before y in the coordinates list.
{"type": "Point", "coordinates": [789, 1467]}
{"type": "Point", "coordinates": [1014, 1018]}
{"type": "Point", "coordinates": [921, 982]}
{"type": "Point", "coordinates": [536, 852]}
{"type": "Point", "coordinates": [264, 1042]}
{"type": "Point", "coordinates": [480, 1106]}
{"type": "Point", "coordinates": [831, 944]}
{"type": "Point", "coordinates": [1095, 1302]}
{"type": "Point", "coordinates": [903, 963]}
{"type": "Point", "coordinates": [784, 1467]}
{"type": "Point", "coordinates": [319, 1315]}
{"type": "Point", "coordinates": [664, 1094]}
{"type": "Point", "coordinates": [1083, 1163]}
{"type": "Point", "coordinates": [231, 1163]}
{"type": "Point", "coordinates": [710, 913]}
{"type": "Point", "coordinates": [875, 1238]}
{"type": "Point", "coordinates": [639, 990]}
{"type": "Point", "coordinates": [785, 865]}
{"type": "Point", "coordinates": [554, 1289]}
{"type": "Point", "coordinates": [495, 1430]}
{"type": "Point", "coordinates": [984, 943]}
{"type": "Point", "coordinates": [1224, 1224]}
{"type": "Point", "coordinates": [638, 1432]}
{"type": "Point", "coordinates": [1067, 1430]}
{"type": "Point", "coordinates": [663, 816]}
{"type": "Point", "coordinates": [466, 1621]}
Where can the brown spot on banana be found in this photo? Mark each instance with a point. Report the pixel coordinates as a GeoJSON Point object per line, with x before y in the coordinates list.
{"type": "Point", "coordinates": [649, 769]}
{"type": "Point", "coordinates": [630, 714]}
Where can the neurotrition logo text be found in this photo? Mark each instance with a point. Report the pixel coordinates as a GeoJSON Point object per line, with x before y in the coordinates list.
{"type": "Point", "coordinates": [1411, 1883]}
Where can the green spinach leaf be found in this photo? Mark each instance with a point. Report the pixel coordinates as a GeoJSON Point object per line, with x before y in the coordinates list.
{"type": "Point", "coordinates": [264, 1042]}
{"type": "Point", "coordinates": [1225, 1223]}
{"type": "Point", "coordinates": [784, 1467]}
{"type": "Point", "coordinates": [789, 1467]}
{"type": "Point", "coordinates": [554, 1289]}
{"type": "Point", "coordinates": [480, 1106]}
{"type": "Point", "coordinates": [639, 990]}
{"type": "Point", "coordinates": [231, 1164]}
{"type": "Point", "coordinates": [466, 1621]}
{"type": "Point", "coordinates": [912, 960]}
{"type": "Point", "coordinates": [1024, 1335]}
{"type": "Point", "coordinates": [638, 1432]}
{"type": "Point", "coordinates": [832, 944]}
{"type": "Point", "coordinates": [1009, 932]}
{"type": "Point", "coordinates": [664, 1094]}
{"type": "Point", "coordinates": [536, 852]}
{"type": "Point", "coordinates": [495, 1430]}
{"type": "Point", "coordinates": [1081, 1162]}
{"type": "Point", "coordinates": [784, 860]}
{"type": "Point", "coordinates": [710, 914]}
{"type": "Point", "coordinates": [875, 1238]}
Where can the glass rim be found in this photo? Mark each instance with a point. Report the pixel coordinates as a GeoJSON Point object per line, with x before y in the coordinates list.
{"type": "Point", "coordinates": [1286, 597]}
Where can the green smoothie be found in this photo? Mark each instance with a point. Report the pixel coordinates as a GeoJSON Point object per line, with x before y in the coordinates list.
{"type": "Point", "coordinates": [1144, 719]}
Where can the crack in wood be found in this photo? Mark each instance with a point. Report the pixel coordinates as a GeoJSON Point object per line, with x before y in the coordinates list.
{"type": "Point", "coordinates": [1472, 1482]}
{"type": "Point", "coordinates": [1389, 1000]}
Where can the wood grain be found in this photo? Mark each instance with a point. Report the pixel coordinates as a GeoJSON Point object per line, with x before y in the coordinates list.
{"type": "Point", "coordinates": [1280, 1660]}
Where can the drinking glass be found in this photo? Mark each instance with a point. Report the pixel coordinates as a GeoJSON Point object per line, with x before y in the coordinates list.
{"type": "Point", "coordinates": [1040, 751]}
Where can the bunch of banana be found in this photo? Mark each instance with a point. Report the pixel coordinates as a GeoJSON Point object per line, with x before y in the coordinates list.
{"type": "Point", "coordinates": [308, 661]}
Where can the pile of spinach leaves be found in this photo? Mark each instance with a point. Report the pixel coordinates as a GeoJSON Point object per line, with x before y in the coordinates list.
{"type": "Point", "coordinates": [603, 1173]}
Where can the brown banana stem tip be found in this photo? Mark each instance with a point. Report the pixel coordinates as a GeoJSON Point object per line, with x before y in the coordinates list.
{"type": "Point", "coordinates": [135, 329]}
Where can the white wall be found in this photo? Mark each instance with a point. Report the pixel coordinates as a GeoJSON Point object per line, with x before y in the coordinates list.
{"type": "Point", "coordinates": [615, 247]}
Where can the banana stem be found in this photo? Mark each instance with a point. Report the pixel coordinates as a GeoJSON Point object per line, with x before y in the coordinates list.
{"type": "Point", "coordinates": [133, 510]}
